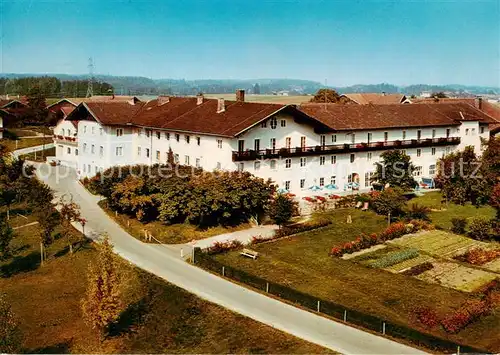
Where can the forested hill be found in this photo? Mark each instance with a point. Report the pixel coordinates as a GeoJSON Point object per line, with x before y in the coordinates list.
{"type": "Point", "coordinates": [75, 85]}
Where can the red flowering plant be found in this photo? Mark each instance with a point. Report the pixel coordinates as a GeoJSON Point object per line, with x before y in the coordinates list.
{"type": "Point", "coordinates": [320, 199]}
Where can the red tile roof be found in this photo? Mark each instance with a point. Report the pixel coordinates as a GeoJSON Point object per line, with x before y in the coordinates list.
{"type": "Point", "coordinates": [376, 99]}
{"type": "Point", "coordinates": [359, 117]}
{"type": "Point", "coordinates": [184, 114]}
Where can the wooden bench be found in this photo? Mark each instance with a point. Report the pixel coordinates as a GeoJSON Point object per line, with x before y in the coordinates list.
{"type": "Point", "coordinates": [250, 253]}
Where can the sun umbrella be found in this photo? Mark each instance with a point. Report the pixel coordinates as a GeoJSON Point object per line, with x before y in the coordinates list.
{"type": "Point", "coordinates": [315, 188]}
{"type": "Point", "coordinates": [331, 187]}
{"type": "Point", "coordinates": [282, 190]}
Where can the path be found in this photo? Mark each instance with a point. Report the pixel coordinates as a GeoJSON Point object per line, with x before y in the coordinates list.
{"type": "Point", "coordinates": [244, 236]}
{"type": "Point", "coordinates": [167, 264]}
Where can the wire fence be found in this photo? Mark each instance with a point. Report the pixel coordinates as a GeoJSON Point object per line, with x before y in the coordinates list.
{"type": "Point", "coordinates": [331, 309]}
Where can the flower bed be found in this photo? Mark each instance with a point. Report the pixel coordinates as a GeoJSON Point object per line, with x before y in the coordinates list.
{"type": "Point", "coordinates": [394, 258]}
{"type": "Point", "coordinates": [478, 256]}
{"type": "Point", "coordinates": [470, 311]}
{"type": "Point", "coordinates": [395, 230]}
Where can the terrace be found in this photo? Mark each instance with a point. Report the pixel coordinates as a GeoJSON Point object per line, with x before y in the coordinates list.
{"type": "Point", "coordinates": [65, 139]}
{"type": "Point", "coordinates": [342, 148]}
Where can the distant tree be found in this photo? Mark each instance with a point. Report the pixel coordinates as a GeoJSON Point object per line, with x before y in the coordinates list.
{"type": "Point", "coordinates": [256, 89]}
{"type": "Point", "coordinates": [396, 169]}
{"type": "Point", "coordinates": [328, 96]}
{"type": "Point", "coordinates": [70, 213]}
{"type": "Point", "coordinates": [281, 209]}
{"type": "Point", "coordinates": [102, 303]}
{"type": "Point", "coordinates": [10, 335]}
{"type": "Point", "coordinates": [37, 106]}
{"type": "Point", "coordinates": [6, 236]}
{"type": "Point", "coordinates": [439, 95]}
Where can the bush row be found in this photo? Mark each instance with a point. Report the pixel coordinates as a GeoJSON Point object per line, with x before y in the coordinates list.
{"type": "Point", "coordinates": [394, 231]}
{"type": "Point", "coordinates": [478, 256]}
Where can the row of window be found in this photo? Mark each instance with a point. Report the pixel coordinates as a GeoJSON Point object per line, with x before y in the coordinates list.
{"type": "Point", "coordinates": [176, 157]}
{"type": "Point", "coordinates": [92, 149]}
{"type": "Point", "coordinates": [69, 132]}
{"type": "Point", "coordinates": [273, 123]}
{"type": "Point", "coordinates": [166, 135]}
{"type": "Point", "coordinates": [87, 169]}
{"type": "Point", "coordinates": [101, 130]}
{"type": "Point", "coordinates": [322, 160]}
{"type": "Point", "coordinates": [472, 131]}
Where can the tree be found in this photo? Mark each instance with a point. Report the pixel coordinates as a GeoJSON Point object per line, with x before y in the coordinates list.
{"type": "Point", "coordinates": [10, 335]}
{"type": "Point", "coordinates": [48, 219]}
{"type": "Point", "coordinates": [132, 197]}
{"type": "Point", "coordinates": [495, 199]}
{"type": "Point", "coordinates": [439, 95]}
{"type": "Point", "coordinates": [37, 106]}
{"type": "Point", "coordinates": [327, 96]}
{"type": "Point", "coordinates": [390, 201]}
{"type": "Point", "coordinates": [460, 180]}
{"type": "Point", "coordinates": [282, 209]}
{"type": "Point", "coordinates": [6, 236]}
{"type": "Point", "coordinates": [256, 89]}
{"type": "Point", "coordinates": [102, 303]}
{"type": "Point", "coordinates": [396, 169]}
{"type": "Point", "coordinates": [70, 213]}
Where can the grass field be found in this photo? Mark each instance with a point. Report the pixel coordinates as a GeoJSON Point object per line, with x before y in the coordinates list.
{"type": "Point", "coordinates": [25, 142]}
{"type": "Point", "coordinates": [302, 262]}
{"type": "Point", "coordinates": [264, 98]}
{"type": "Point", "coordinates": [448, 211]}
{"type": "Point", "coordinates": [161, 319]}
{"type": "Point", "coordinates": [168, 234]}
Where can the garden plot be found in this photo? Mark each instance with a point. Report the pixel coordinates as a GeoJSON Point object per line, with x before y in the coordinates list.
{"type": "Point", "coordinates": [493, 265]}
{"type": "Point", "coordinates": [439, 243]}
{"type": "Point", "coordinates": [408, 264]}
{"type": "Point", "coordinates": [457, 276]}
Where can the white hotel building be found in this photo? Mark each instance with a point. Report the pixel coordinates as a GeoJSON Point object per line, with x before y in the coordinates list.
{"type": "Point", "coordinates": [295, 146]}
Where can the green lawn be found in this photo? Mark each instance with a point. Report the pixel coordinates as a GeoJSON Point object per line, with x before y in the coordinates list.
{"type": "Point", "coordinates": [161, 319]}
{"type": "Point", "coordinates": [302, 262]}
{"type": "Point", "coordinates": [445, 212]}
{"type": "Point", "coordinates": [168, 234]}
{"type": "Point", "coordinates": [25, 142]}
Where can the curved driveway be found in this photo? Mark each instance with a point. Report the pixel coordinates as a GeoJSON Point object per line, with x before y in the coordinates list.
{"type": "Point", "coordinates": [165, 262]}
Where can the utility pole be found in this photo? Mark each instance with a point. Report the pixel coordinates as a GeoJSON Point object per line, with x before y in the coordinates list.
{"type": "Point", "coordinates": [90, 89]}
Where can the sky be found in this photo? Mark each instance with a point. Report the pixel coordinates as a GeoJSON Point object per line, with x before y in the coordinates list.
{"type": "Point", "coordinates": [342, 42]}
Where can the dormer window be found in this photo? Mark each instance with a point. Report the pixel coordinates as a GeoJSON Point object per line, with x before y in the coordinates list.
{"type": "Point", "coordinates": [273, 123]}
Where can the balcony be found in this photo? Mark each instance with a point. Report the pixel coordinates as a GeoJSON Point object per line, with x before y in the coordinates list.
{"type": "Point", "coordinates": [342, 148]}
{"type": "Point", "coordinates": [65, 140]}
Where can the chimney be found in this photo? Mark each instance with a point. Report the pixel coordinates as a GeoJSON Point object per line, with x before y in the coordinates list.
{"type": "Point", "coordinates": [163, 100]}
{"type": "Point", "coordinates": [383, 93]}
{"type": "Point", "coordinates": [221, 107]}
{"type": "Point", "coordinates": [113, 96]}
{"type": "Point", "coordinates": [478, 102]}
{"type": "Point", "coordinates": [240, 95]}
{"type": "Point", "coordinates": [199, 99]}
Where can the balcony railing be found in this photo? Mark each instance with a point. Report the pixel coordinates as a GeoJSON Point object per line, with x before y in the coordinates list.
{"type": "Point", "coordinates": [342, 148]}
{"type": "Point", "coordinates": [65, 139]}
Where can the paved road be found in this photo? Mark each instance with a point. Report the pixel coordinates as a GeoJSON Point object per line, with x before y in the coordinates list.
{"type": "Point", "coordinates": [166, 263]}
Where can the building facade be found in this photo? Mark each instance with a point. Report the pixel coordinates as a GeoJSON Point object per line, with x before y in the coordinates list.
{"type": "Point", "coordinates": [296, 147]}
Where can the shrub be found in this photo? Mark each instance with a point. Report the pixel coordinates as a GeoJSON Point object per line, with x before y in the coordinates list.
{"type": "Point", "coordinates": [419, 212]}
{"type": "Point", "coordinates": [427, 316]}
{"type": "Point", "coordinates": [223, 247]}
{"type": "Point", "coordinates": [470, 311]}
{"type": "Point", "coordinates": [480, 229]}
{"type": "Point", "coordinates": [418, 269]}
{"type": "Point", "coordinates": [458, 225]}
{"type": "Point", "coordinates": [478, 256]}
{"type": "Point", "coordinates": [394, 258]}
{"type": "Point", "coordinates": [304, 227]}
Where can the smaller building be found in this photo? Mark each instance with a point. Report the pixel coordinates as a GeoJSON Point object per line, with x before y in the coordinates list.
{"type": "Point", "coordinates": [375, 98]}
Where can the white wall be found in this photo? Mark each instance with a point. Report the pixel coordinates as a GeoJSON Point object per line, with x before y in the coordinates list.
{"type": "Point", "coordinates": [66, 151]}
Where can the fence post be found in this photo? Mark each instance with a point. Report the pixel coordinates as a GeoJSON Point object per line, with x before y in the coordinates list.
{"type": "Point", "coordinates": [345, 315]}
{"type": "Point", "coordinates": [318, 305]}
{"type": "Point", "coordinates": [267, 287]}
{"type": "Point", "coordinates": [383, 328]}
{"type": "Point", "coordinates": [223, 271]}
